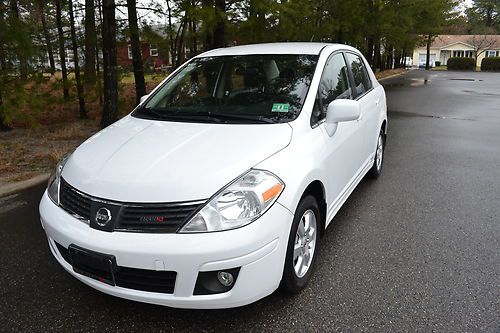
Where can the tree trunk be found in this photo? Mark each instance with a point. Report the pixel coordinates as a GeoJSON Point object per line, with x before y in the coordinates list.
{"type": "Point", "coordinates": [377, 58]}
{"type": "Point", "coordinates": [79, 85]}
{"type": "Point", "coordinates": [219, 38]}
{"type": "Point", "coordinates": [90, 44]}
{"type": "Point", "coordinates": [97, 61]}
{"type": "Point", "coordinates": [62, 51]}
{"type": "Point", "coordinates": [207, 6]}
{"type": "Point", "coordinates": [389, 60]}
{"type": "Point", "coordinates": [171, 35]}
{"type": "Point", "coordinates": [3, 68]}
{"type": "Point", "coordinates": [140, 84]}
{"type": "Point", "coordinates": [195, 38]}
{"type": "Point", "coordinates": [180, 42]}
{"type": "Point", "coordinates": [428, 56]}
{"type": "Point", "coordinates": [369, 52]}
{"type": "Point", "coordinates": [46, 35]}
{"type": "Point", "coordinates": [21, 54]}
{"type": "Point", "coordinates": [110, 110]}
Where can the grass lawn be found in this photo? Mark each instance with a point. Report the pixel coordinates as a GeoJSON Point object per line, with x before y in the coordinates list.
{"type": "Point", "coordinates": [439, 68]}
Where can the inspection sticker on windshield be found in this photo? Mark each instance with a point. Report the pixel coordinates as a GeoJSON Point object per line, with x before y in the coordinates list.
{"type": "Point", "coordinates": [280, 107]}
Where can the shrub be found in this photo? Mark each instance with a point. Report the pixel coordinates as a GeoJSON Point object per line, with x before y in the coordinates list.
{"type": "Point", "coordinates": [461, 63]}
{"type": "Point", "coordinates": [437, 63]}
{"type": "Point", "coordinates": [491, 64]}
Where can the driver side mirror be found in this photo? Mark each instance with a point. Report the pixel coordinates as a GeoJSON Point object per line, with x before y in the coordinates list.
{"type": "Point", "coordinates": [143, 98]}
{"type": "Point", "coordinates": [341, 110]}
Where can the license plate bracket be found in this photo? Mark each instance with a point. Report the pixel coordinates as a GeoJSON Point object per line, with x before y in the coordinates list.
{"type": "Point", "coordinates": [95, 265]}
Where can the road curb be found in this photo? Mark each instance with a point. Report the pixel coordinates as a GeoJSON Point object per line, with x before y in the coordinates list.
{"type": "Point", "coordinates": [22, 185]}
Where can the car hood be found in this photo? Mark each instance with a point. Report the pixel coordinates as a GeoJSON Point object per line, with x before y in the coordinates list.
{"type": "Point", "coordinates": [137, 160]}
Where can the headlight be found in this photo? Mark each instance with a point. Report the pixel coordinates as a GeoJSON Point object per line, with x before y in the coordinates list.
{"type": "Point", "coordinates": [239, 204]}
{"type": "Point", "coordinates": [55, 180]}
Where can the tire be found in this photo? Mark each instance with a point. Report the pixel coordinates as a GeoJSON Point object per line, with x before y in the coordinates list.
{"type": "Point", "coordinates": [376, 169]}
{"type": "Point", "coordinates": [296, 275]}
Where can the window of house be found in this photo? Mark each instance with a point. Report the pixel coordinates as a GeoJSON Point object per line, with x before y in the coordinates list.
{"type": "Point", "coordinates": [492, 53]}
{"type": "Point", "coordinates": [334, 85]}
{"type": "Point", "coordinates": [461, 53]}
{"type": "Point", "coordinates": [359, 73]}
{"type": "Point", "coordinates": [129, 51]}
{"type": "Point", "coordinates": [153, 50]}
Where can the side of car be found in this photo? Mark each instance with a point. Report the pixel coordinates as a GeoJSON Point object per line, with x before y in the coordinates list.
{"type": "Point", "coordinates": [335, 144]}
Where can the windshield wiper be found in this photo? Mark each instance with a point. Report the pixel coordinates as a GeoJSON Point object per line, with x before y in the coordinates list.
{"type": "Point", "coordinates": [180, 115]}
{"type": "Point", "coordinates": [206, 115]}
{"type": "Point", "coordinates": [230, 116]}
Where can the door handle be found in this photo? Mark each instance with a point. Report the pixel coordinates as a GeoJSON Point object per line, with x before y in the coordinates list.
{"type": "Point", "coordinates": [377, 102]}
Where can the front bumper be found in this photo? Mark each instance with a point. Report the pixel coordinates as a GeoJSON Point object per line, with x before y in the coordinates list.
{"type": "Point", "coordinates": [259, 249]}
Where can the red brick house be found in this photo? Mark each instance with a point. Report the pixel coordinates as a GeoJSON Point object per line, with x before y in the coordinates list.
{"type": "Point", "coordinates": [151, 55]}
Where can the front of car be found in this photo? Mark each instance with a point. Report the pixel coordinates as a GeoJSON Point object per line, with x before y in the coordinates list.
{"type": "Point", "coordinates": [167, 206]}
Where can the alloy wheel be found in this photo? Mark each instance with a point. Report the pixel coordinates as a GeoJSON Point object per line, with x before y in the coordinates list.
{"type": "Point", "coordinates": [305, 243]}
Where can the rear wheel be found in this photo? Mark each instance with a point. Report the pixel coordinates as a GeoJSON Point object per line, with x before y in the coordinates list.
{"type": "Point", "coordinates": [301, 251]}
{"type": "Point", "coordinates": [376, 169]}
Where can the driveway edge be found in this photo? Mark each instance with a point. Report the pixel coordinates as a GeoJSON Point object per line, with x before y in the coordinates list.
{"type": "Point", "coordinates": [394, 75]}
{"type": "Point", "coordinates": [22, 185]}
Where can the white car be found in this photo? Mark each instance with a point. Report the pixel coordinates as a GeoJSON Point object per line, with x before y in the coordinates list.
{"type": "Point", "coordinates": [216, 189]}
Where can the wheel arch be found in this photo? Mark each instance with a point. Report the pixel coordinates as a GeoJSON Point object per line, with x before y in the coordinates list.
{"type": "Point", "coordinates": [383, 127]}
{"type": "Point", "coordinates": [317, 190]}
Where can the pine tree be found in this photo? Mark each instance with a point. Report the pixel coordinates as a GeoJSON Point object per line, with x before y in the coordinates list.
{"type": "Point", "coordinates": [79, 85]}
{"type": "Point", "coordinates": [110, 109]}
{"type": "Point", "coordinates": [140, 84]}
{"type": "Point", "coordinates": [62, 49]}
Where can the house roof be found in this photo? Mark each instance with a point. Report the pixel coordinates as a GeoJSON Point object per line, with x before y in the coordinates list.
{"type": "Point", "coordinates": [445, 40]}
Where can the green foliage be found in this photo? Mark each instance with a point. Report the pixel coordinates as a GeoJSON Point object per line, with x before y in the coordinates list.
{"type": "Point", "coordinates": [461, 63]}
{"type": "Point", "coordinates": [484, 16]}
{"type": "Point", "coordinates": [381, 29]}
{"type": "Point", "coordinates": [491, 64]}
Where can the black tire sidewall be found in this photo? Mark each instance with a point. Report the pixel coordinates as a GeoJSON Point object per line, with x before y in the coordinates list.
{"type": "Point", "coordinates": [374, 172]}
{"type": "Point", "coordinates": [291, 282]}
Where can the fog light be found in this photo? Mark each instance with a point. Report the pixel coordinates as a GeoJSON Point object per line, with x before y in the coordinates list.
{"type": "Point", "coordinates": [216, 282]}
{"type": "Point", "coordinates": [225, 278]}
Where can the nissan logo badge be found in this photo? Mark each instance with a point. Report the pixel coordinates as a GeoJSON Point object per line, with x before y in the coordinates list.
{"type": "Point", "coordinates": [103, 216]}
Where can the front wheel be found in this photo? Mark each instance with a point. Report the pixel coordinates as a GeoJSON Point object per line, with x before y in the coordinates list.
{"type": "Point", "coordinates": [376, 169]}
{"type": "Point", "coordinates": [301, 251]}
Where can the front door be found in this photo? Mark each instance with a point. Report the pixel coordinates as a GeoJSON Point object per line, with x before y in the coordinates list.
{"type": "Point", "coordinates": [343, 150]}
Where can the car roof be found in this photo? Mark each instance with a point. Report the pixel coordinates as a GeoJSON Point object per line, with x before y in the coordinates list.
{"type": "Point", "coordinates": [271, 48]}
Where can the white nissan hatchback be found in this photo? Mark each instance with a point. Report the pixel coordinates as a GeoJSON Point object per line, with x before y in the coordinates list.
{"type": "Point", "coordinates": [216, 189]}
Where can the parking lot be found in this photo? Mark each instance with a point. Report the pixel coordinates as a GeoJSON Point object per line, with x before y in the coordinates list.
{"type": "Point", "coordinates": [416, 250]}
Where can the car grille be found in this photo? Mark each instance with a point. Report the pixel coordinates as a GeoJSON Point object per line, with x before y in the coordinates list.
{"type": "Point", "coordinates": [135, 217]}
{"type": "Point", "coordinates": [73, 201]}
{"type": "Point", "coordinates": [134, 278]}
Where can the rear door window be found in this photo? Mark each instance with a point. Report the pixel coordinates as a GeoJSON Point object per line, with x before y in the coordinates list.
{"type": "Point", "coordinates": [362, 81]}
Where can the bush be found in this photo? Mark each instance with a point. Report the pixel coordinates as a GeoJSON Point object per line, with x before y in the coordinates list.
{"type": "Point", "coordinates": [437, 63]}
{"type": "Point", "coordinates": [461, 63]}
{"type": "Point", "coordinates": [491, 64]}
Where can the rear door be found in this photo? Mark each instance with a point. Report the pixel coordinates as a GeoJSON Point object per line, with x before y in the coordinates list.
{"type": "Point", "coordinates": [370, 101]}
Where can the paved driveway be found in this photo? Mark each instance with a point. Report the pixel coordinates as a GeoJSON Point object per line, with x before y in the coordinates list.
{"type": "Point", "coordinates": [419, 249]}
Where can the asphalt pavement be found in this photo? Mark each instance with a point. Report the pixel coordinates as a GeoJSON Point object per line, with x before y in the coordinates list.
{"type": "Point", "coordinates": [416, 250]}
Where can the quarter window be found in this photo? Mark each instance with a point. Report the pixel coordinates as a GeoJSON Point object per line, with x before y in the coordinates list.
{"type": "Point", "coordinates": [334, 85]}
{"type": "Point", "coordinates": [359, 73]}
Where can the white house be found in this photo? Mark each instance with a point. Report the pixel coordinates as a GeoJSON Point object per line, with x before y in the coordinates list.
{"type": "Point", "coordinates": [446, 46]}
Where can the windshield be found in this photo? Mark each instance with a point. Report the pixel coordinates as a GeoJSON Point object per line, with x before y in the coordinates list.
{"type": "Point", "coordinates": [234, 89]}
